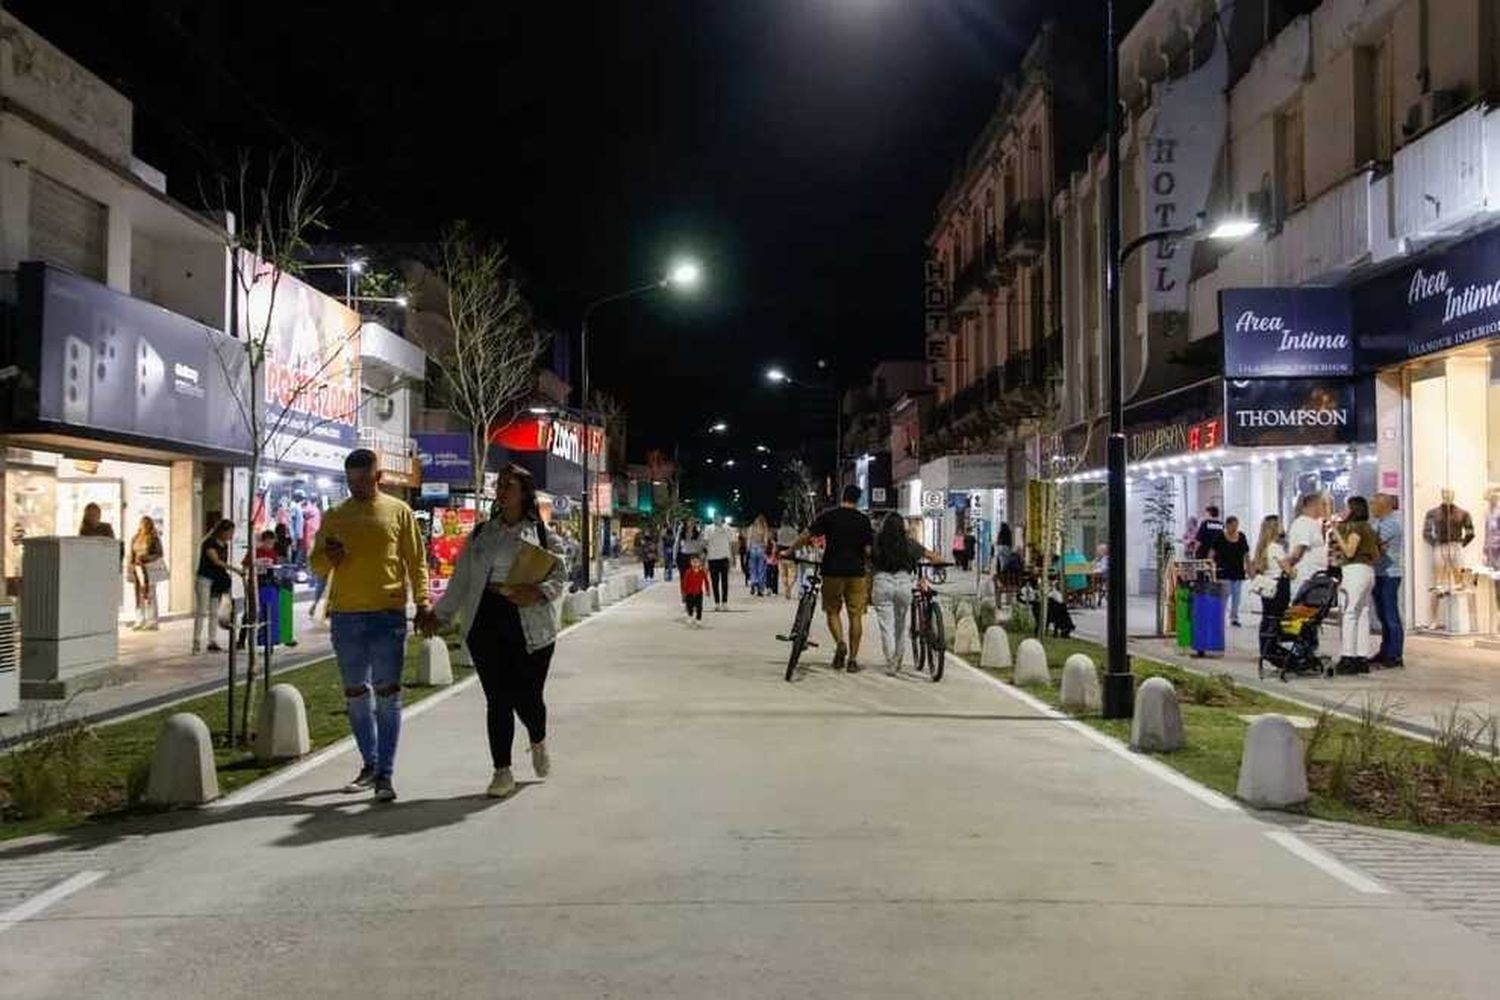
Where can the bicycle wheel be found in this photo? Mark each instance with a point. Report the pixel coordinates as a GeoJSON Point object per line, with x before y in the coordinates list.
{"type": "Point", "coordinates": [937, 642]}
{"type": "Point", "coordinates": [801, 626]}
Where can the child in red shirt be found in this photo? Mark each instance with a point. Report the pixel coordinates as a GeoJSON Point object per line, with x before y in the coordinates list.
{"type": "Point", "coordinates": [694, 586]}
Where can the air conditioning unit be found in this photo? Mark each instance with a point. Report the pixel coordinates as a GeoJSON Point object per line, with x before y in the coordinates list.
{"type": "Point", "coordinates": [10, 656]}
{"type": "Point", "coordinates": [1430, 109]}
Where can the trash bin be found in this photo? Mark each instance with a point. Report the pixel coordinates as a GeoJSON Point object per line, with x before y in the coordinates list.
{"type": "Point", "coordinates": [1183, 601]}
{"type": "Point", "coordinates": [268, 601]}
{"type": "Point", "coordinates": [286, 579]}
{"type": "Point", "coordinates": [1208, 618]}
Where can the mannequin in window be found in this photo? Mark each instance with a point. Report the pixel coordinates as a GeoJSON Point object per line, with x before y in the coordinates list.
{"type": "Point", "coordinates": [1447, 528]}
{"type": "Point", "coordinates": [1492, 530]}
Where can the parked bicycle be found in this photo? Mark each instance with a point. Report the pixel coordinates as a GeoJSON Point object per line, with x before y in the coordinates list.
{"type": "Point", "coordinates": [929, 639]}
{"type": "Point", "coordinates": [807, 607]}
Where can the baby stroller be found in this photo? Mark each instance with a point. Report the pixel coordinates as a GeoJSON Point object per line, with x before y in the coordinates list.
{"type": "Point", "coordinates": [1289, 644]}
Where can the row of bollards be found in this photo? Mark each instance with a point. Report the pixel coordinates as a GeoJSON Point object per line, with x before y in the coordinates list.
{"type": "Point", "coordinates": [1273, 770]}
{"type": "Point", "coordinates": [183, 772]}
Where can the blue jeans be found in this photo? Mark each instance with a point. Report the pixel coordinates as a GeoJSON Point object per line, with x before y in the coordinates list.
{"type": "Point", "coordinates": [1388, 613]}
{"type": "Point", "coordinates": [1236, 588]}
{"type": "Point", "coordinates": [758, 569]}
{"type": "Point", "coordinates": [371, 649]}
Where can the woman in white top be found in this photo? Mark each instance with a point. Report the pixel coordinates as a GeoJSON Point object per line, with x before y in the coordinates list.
{"type": "Point", "coordinates": [510, 629]}
{"type": "Point", "coordinates": [1307, 541]}
{"type": "Point", "coordinates": [1269, 566]}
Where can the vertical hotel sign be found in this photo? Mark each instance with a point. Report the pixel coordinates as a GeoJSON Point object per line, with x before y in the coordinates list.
{"type": "Point", "coordinates": [935, 321]}
{"type": "Point", "coordinates": [1180, 157]}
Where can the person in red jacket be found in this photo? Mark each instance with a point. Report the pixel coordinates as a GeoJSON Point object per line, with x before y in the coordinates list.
{"type": "Point", "coordinates": [694, 586]}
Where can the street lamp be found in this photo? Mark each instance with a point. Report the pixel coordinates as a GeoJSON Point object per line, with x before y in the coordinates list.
{"type": "Point", "coordinates": [684, 275]}
{"type": "Point", "coordinates": [1119, 684]}
{"type": "Point", "coordinates": [350, 267]}
{"type": "Point", "coordinates": [778, 376]}
{"type": "Point", "coordinates": [718, 428]}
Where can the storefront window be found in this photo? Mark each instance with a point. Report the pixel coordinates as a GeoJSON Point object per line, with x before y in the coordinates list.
{"type": "Point", "coordinates": [1454, 496]}
{"type": "Point", "coordinates": [46, 493]}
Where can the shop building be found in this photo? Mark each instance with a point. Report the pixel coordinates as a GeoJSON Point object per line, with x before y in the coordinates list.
{"type": "Point", "coordinates": [113, 306]}
{"type": "Point", "coordinates": [392, 372]}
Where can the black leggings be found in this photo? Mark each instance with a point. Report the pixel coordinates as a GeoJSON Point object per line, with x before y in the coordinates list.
{"type": "Point", "coordinates": [694, 604]}
{"type": "Point", "coordinates": [512, 678]}
{"type": "Point", "coordinates": [718, 572]}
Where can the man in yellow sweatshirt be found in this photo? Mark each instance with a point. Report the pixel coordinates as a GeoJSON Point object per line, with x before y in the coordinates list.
{"type": "Point", "coordinates": [370, 547]}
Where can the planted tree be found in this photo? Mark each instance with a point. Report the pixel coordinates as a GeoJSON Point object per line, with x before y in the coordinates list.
{"type": "Point", "coordinates": [485, 345]}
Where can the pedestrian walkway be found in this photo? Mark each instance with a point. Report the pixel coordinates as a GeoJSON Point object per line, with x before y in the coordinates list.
{"type": "Point", "coordinates": [710, 830]}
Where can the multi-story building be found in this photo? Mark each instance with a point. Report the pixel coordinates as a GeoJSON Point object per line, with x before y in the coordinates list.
{"type": "Point", "coordinates": [867, 429]}
{"type": "Point", "coordinates": [1353, 344]}
{"type": "Point", "coordinates": [992, 295]}
{"type": "Point", "coordinates": [115, 303]}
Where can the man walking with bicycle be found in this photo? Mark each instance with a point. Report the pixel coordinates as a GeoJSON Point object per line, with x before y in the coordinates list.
{"type": "Point", "coordinates": [847, 537]}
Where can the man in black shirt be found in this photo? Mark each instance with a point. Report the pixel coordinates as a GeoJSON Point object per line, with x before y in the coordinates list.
{"type": "Point", "coordinates": [847, 536]}
{"type": "Point", "coordinates": [1210, 530]}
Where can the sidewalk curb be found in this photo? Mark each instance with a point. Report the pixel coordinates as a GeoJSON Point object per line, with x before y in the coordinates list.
{"type": "Point", "coordinates": [258, 788]}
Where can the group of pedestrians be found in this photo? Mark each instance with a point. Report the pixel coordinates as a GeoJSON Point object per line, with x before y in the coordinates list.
{"type": "Point", "coordinates": [1362, 545]}
{"type": "Point", "coordinates": [705, 556]}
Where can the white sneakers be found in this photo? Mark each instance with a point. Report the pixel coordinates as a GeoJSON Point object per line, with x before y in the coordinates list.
{"type": "Point", "coordinates": [503, 784]}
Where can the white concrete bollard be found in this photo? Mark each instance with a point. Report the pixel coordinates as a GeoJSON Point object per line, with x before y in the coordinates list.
{"type": "Point", "coordinates": [607, 594]}
{"type": "Point", "coordinates": [1273, 774]}
{"type": "Point", "coordinates": [595, 604]}
{"type": "Point", "coordinates": [966, 637]}
{"type": "Point", "coordinates": [1157, 725]}
{"type": "Point", "coordinates": [433, 665]}
{"type": "Point", "coordinates": [996, 653]}
{"type": "Point", "coordinates": [182, 765]}
{"type": "Point", "coordinates": [1031, 664]}
{"type": "Point", "coordinates": [1080, 684]}
{"type": "Point", "coordinates": [281, 725]}
{"type": "Point", "coordinates": [963, 609]}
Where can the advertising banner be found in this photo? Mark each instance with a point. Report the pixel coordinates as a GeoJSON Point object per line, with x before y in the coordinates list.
{"type": "Point", "coordinates": [446, 458]}
{"type": "Point", "coordinates": [450, 529]}
{"type": "Point", "coordinates": [116, 363]}
{"type": "Point", "coordinates": [1445, 301]}
{"type": "Point", "coordinates": [1286, 332]}
{"type": "Point", "coordinates": [310, 388]}
{"type": "Point", "coordinates": [1296, 412]}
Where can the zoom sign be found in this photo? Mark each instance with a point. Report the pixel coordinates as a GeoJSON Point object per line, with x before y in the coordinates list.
{"type": "Point", "coordinates": [1296, 412]}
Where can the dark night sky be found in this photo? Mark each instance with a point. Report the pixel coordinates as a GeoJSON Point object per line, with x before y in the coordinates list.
{"type": "Point", "coordinates": [797, 146]}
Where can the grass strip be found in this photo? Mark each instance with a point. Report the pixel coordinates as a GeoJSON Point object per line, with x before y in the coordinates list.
{"type": "Point", "coordinates": [1359, 771]}
{"type": "Point", "coordinates": [101, 770]}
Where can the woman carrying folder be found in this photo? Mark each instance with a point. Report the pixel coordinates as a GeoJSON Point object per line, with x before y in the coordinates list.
{"type": "Point", "coordinates": [501, 595]}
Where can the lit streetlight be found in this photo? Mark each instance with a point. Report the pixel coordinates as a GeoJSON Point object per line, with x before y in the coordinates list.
{"type": "Point", "coordinates": [684, 275]}
{"type": "Point", "coordinates": [778, 376]}
{"type": "Point", "coordinates": [719, 428]}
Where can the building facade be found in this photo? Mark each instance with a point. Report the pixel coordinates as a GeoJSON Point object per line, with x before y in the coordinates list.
{"type": "Point", "coordinates": [1360, 136]}
{"type": "Point", "coordinates": [993, 294]}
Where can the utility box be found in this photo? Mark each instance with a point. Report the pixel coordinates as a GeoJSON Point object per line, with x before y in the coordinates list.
{"type": "Point", "coordinates": [69, 611]}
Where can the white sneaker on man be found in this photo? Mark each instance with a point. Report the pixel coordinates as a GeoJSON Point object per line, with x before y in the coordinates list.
{"type": "Point", "coordinates": [502, 785]}
{"type": "Point", "coordinates": [540, 762]}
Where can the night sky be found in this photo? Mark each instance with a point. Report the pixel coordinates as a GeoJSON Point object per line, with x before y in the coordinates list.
{"type": "Point", "coordinates": [798, 147]}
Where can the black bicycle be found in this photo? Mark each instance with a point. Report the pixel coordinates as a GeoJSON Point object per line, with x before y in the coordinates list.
{"type": "Point", "coordinates": [807, 606]}
{"type": "Point", "coordinates": [929, 640]}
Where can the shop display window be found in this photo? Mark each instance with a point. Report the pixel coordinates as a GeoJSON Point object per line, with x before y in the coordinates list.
{"type": "Point", "coordinates": [1453, 521]}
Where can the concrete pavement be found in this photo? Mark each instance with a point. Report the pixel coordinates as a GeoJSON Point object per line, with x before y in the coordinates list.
{"type": "Point", "coordinates": [710, 830]}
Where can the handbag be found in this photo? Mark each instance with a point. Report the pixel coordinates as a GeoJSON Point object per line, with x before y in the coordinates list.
{"type": "Point", "coordinates": [156, 571]}
{"type": "Point", "coordinates": [1264, 585]}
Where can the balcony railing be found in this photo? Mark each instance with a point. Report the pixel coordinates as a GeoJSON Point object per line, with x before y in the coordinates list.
{"type": "Point", "coordinates": [1025, 229]}
{"type": "Point", "coordinates": [980, 275]}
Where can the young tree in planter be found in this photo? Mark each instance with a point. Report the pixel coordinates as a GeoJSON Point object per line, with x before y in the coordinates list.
{"type": "Point", "coordinates": [488, 353]}
{"type": "Point", "coordinates": [285, 392]}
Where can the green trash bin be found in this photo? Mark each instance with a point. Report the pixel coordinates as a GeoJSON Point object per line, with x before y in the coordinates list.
{"type": "Point", "coordinates": [1183, 602]}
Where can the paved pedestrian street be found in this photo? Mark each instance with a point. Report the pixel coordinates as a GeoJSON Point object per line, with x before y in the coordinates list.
{"type": "Point", "coordinates": [712, 831]}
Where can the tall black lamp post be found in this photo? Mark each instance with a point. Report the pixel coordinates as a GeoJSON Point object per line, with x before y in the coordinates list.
{"type": "Point", "coordinates": [1119, 687]}
{"type": "Point", "coordinates": [684, 276]}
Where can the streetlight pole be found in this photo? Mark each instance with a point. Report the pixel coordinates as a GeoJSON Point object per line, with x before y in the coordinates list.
{"type": "Point", "coordinates": [777, 376]}
{"type": "Point", "coordinates": [684, 274]}
{"type": "Point", "coordinates": [1119, 683]}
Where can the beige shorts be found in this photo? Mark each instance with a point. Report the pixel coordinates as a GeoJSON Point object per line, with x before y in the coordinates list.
{"type": "Point", "coordinates": [850, 591]}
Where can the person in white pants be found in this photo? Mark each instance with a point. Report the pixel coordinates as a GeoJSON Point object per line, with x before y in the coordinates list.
{"type": "Point", "coordinates": [1360, 546]}
{"type": "Point", "coordinates": [894, 557]}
